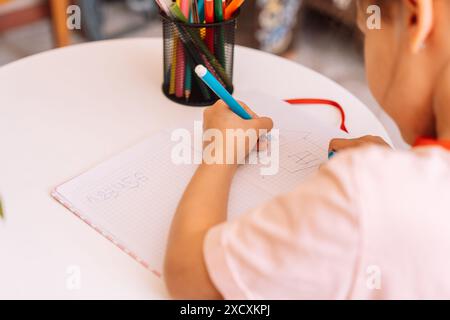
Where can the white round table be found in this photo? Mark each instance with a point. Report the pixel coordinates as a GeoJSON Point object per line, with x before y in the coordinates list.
{"type": "Point", "coordinates": [65, 110]}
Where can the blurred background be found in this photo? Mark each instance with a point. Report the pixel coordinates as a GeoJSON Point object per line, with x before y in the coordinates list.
{"type": "Point", "coordinates": [320, 34]}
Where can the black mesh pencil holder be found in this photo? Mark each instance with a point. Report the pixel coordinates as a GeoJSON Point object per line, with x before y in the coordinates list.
{"type": "Point", "coordinates": [188, 45]}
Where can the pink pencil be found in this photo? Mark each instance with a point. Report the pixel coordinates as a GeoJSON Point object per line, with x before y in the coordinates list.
{"type": "Point", "coordinates": [163, 5]}
{"type": "Point", "coordinates": [181, 58]}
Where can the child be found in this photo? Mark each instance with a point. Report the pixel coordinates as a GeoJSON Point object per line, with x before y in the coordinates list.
{"type": "Point", "coordinates": [373, 223]}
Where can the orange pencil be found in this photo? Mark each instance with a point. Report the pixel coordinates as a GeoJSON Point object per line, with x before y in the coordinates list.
{"type": "Point", "coordinates": [232, 8]}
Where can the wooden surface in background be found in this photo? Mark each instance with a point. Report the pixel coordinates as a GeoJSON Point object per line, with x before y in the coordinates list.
{"type": "Point", "coordinates": [23, 16]}
{"type": "Point", "coordinates": [55, 8]}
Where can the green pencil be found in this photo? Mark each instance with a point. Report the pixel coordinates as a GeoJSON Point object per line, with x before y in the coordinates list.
{"type": "Point", "coordinates": [218, 10]}
{"type": "Point", "coordinates": [218, 13]}
{"type": "Point", "coordinates": [177, 13]}
{"type": "Point", "coordinates": [188, 81]}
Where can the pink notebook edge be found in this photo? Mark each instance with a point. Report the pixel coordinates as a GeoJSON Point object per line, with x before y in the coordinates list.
{"type": "Point", "coordinates": [68, 205]}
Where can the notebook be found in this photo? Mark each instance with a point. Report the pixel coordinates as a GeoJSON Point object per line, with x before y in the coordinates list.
{"type": "Point", "coordinates": [131, 198]}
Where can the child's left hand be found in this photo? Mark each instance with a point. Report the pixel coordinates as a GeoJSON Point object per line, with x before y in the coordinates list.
{"type": "Point", "coordinates": [343, 144]}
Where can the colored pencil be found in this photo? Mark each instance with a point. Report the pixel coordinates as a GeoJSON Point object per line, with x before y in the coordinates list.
{"type": "Point", "coordinates": [173, 69]}
{"type": "Point", "coordinates": [232, 8]}
{"type": "Point", "coordinates": [181, 59]}
{"type": "Point", "coordinates": [185, 7]}
{"type": "Point", "coordinates": [164, 7]}
{"type": "Point", "coordinates": [209, 18]}
{"type": "Point", "coordinates": [220, 48]}
{"type": "Point", "coordinates": [195, 17]}
{"type": "Point", "coordinates": [218, 10]}
{"type": "Point", "coordinates": [188, 76]}
{"type": "Point", "coordinates": [201, 10]}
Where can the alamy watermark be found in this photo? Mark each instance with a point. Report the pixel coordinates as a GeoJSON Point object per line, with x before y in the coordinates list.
{"type": "Point", "coordinates": [229, 147]}
{"type": "Point", "coordinates": [374, 20]}
{"type": "Point", "coordinates": [73, 21]}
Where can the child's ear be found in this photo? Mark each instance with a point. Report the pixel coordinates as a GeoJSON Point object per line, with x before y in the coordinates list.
{"type": "Point", "coordinates": [421, 20]}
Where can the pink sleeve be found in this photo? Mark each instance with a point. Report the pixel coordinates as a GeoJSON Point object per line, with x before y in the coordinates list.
{"type": "Point", "coordinates": [302, 245]}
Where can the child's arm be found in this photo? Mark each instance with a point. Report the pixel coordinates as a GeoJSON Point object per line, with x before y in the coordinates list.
{"type": "Point", "coordinates": [203, 205]}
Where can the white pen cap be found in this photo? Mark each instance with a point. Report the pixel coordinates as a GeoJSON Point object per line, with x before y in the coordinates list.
{"type": "Point", "coordinates": [201, 71]}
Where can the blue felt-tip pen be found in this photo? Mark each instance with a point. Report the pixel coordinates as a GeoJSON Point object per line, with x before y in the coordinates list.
{"type": "Point", "coordinates": [221, 92]}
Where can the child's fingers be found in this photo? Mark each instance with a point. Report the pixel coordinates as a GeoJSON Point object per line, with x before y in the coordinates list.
{"type": "Point", "coordinates": [258, 122]}
{"type": "Point", "coordinates": [249, 111]}
{"type": "Point", "coordinates": [342, 144]}
{"type": "Point", "coordinates": [263, 123]}
{"type": "Point", "coordinates": [220, 104]}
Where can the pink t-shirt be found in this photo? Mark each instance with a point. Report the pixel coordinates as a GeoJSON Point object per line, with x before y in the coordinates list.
{"type": "Point", "coordinates": [372, 224]}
